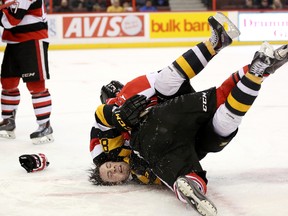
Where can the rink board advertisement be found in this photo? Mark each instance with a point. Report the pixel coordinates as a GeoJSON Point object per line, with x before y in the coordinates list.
{"type": "Point", "coordinates": [179, 25]}
{"type": "Point", "coordinates": [103, 26]}
{"type": "Point", "coordinates": [117, 30]}
{"type": "Point", "coordinates": [263, 26]}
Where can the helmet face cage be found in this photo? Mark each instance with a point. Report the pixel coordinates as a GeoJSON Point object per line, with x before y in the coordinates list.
{"type": "Point", "coordinates": [110, 90]}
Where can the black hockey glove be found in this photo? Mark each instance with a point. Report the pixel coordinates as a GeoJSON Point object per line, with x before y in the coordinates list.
{"type": "Point", "coordinates": [33, 162]}
{"type": "Point", "coordinates": [128, 115]}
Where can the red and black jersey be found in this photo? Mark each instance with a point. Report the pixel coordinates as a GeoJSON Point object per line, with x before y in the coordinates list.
{"type": "Point", "coordinates": [25, 20]}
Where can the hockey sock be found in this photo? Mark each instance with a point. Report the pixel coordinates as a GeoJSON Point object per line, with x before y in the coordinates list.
{"type": "Point", "coordinates": [42, 105]}
{"type": "Point", "coordinates": [224, 90]}
{"type": "Point", "coordinates": [243, 94]}
{"type": "Point", "coordinates": [10, 100]}
{"type": "Point", "coordinates": [194, 60]}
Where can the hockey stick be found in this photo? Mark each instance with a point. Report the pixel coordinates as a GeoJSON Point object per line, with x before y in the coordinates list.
{"type": "Point", "coordinates": [7, 5]}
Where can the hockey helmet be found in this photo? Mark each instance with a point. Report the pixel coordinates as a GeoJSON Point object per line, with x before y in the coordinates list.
{"type": "Point", "coordinates": [110, 90]}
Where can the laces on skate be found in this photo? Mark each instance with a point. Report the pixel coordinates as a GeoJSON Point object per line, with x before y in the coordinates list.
{"type": "Point", "coordinates": [263, 59]}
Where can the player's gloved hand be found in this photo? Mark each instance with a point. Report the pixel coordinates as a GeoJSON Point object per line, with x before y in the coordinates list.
{"type": "Point", "coordinates": [12, 4]}
{"type": "Point", "coordinates": [33, 162]}
{"type": "Point", "coordinates": [128, 115]}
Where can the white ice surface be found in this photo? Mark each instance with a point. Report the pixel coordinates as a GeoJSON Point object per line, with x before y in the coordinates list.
{"type": "Point", "coordinates": [248, 178]}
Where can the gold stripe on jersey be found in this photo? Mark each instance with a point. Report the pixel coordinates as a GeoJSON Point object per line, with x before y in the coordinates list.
{"type": "Point", "coordinates": [125, 152]}
{"type": "Point", "coordinates": [157, 181]}
{"type": "Point", "coordinates": [236, 104]}
{"type": "Point", "coordinates": [141, 178]}
{"type": "Point", "coordinates": [100, 115]}
{"type": "Point", "coordinates": [181, 61]}
{"type": "Point", "coordinates": [127, 160]}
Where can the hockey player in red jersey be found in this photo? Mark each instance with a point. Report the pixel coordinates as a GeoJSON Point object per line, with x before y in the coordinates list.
{"type": "Point", "coordinates": [108, 142]}
{"type": "Point", "coordinates": [175, 135]}
{"type": "Point", "coordinates": [25, 57]}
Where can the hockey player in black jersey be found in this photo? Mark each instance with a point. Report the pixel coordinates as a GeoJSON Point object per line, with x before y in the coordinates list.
{"type": "Point", "coordinates": [108, 140]}
{"type": "Point", "coordinates": [175, 135]}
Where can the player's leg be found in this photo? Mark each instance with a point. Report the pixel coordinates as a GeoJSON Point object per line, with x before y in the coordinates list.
{"type": "Point", "coordinates": [174, 80]}
{"type": "Point", "coordinates": [10, 99]}
{"type": "Point", "coordinates": [42, 104]}
{"type": "Point", "coordinates": [281, 57]}
{"type": "Point", "coordinates": [244, 87]}
{"type": "Point", "coordinates": [35, 71]}
{"type": "Point", "coordinates": [229, 115]}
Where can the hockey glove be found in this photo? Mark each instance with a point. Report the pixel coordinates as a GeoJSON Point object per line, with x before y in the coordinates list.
{"type": "Point", "coordinates": [33, 162]}
{"type": "Point", "coordinates": [128, 115]}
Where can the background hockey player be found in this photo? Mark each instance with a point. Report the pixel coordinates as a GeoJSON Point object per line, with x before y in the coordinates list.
{"type": "Point", "coordinates": [108, 141]}
{"type": "Point", "coordinates": [26, 56]}
{"type": "Point", "coordinates": [176, 134]}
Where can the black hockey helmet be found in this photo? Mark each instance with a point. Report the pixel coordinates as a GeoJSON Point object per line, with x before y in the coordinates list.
{"type": "Point", "coordinates": [110, 90]}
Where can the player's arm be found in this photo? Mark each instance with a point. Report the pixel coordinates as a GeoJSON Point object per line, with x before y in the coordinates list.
{"type": "Point", "coordinates": [103, 115]}
{"type": "Point", "coordinates": [107, 143]}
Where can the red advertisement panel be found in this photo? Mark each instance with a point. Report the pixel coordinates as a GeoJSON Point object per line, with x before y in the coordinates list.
{"type": "Point", "coordinates": [106, 26]}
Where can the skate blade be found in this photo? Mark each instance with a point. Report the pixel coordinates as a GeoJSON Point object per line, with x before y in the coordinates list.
{"type": "Point", "coordinates": [281, 52]}
{"type": "Point", "coordinates": [233, 31]}
{"type": "Point", "coordinates": [204, 207]}
{"type": "Point", "coordinates": [43, 140]}
{"type": "Point", "coordinates": [7, 134]}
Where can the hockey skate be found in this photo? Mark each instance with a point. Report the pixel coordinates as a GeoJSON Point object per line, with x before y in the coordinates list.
{"type": "Point", "coordinates": [220, 37]}
{"type": "Point", "coordinates": [7, 127]}
{"type": "Point", "coordinates": [281, 57]}
{"type": "Point", "coordinates": [263, 59]}
{"type": "Point", "coordinates": [43, 134]}
{"type": "Point", "coordinates": [190, 191]}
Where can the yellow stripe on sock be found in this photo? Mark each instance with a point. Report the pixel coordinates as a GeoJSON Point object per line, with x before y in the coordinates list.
{"type": "Point", "coordinates": [185, 67]}
{"type": "Point", "coordinates": [237, 105]}
{"type": "Point", "coordinates": [210, 47]}
{"type": "Point", "coordinates": [254, 78]}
